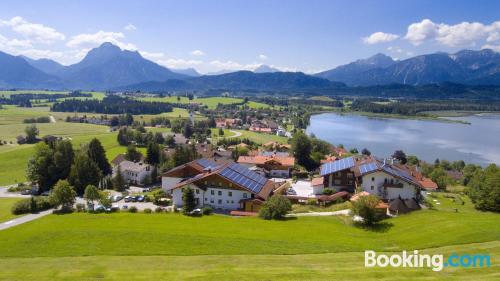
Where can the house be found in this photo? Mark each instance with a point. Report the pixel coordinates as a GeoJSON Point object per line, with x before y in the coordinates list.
{"type": "Point", "coordinates": [138, 173]}
{"type": "Point", "coordinates": [227, 186]}
{"type": "Point", "coordinates": [386, 179]}
{"type": "Point", "coordinates": [227, 123]}
{"type": "Point", "coordinates": [264, 126]}
{"type": "Point", "coordinates": [276, 166]}
{"type": "Point", "coordinates": [339, 175]}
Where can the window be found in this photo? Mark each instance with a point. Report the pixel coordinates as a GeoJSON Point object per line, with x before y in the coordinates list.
{"type": "Point", "coordinates": [220, 184]}
{"type": "Point", "coordinates": [212, 192]}
{"type": "Point", "coordinates": [197, 191]}
{"type": "Point", "coordinates": [230, 194]}
{"type": "Point", "coordinates": [227, 201]}
{"type": "Point", "coordinates": [212, 201]}
{"type": "Point", "coordinates": [244, 195]}
{"type": "Point", "coordinates": [220, 201]}
{"type": "Point", "coordinates": [206, 199]}
{"type": "Point", "coordinates": [220, 193]}
{"type": "Point", "coordinates": [230, 184]}
{"type": "Point", "coordinates": [371, 187]}
{"type": "Point", "coordinates": [373, 178]}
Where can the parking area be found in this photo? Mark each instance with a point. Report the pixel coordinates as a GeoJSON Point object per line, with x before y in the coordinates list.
{"type": "Point", "coordinates": [303, 189]}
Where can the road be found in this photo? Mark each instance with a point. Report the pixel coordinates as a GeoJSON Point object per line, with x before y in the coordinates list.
{"type": "Point", "coordinates": [345, 212]}
{"type": "Point", "coordinates": [6, 194]}
{"type": "Point", "coordinates": [23, 219]}
{"type": "Point", "coordinates": [236, 134]}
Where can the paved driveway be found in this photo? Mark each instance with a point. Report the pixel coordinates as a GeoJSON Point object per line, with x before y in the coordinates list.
{"type": "Point", "coordinates": [23, 219]}
{"type": "Point", "coordinates": [7, 194]}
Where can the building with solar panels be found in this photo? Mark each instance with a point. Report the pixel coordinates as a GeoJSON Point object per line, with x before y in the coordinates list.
{"type": "Point", "coordinates": [226, 186]}
{"type": "Point", "coordinates": [386, 179]}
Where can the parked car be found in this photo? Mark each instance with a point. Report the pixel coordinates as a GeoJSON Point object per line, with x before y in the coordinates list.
{"type": "Point", "coordinates": [26, 192]}
{"type": "Point", "coordinates": [116, 198]}
{"type": "Point", "coordinates": [147, 189]}
{"type": "Point", "coordinates": [115, 208]}
{"type": "Point", "coordinates": [195, 212]}
{"type": "Point", "coordinates": [139, 198]}
{"type": "Point", "coordinates": [129, 199]}
{"type": "Point", "coordinates": [125, 207]}
{"type": "Point", "coordinates": [291, 192]}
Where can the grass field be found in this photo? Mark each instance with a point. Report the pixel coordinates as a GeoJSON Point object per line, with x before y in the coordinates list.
{"type": "Point", "coordinates": [211, 102]}
{"type": "Point", "coordinates": [128, 246]}
{"type": "Point", "coordinates": [262, 137]}
{"type": "Point", "coordinates": [5, 206]}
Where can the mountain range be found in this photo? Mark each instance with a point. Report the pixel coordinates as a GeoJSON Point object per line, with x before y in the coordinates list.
{"type": "Point", "coordinates": [107, 67]}
{"type": "Point", "coordinates": [466, 67]}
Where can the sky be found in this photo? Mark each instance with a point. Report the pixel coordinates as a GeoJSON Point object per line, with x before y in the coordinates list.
{"type": "Point", "coordinates": [211, 36]}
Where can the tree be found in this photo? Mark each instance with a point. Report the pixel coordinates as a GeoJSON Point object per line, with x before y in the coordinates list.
{"type": "Point", "coordinates": [63, 195]}
{"type": "Point", "coordinates": [91, 194]}
{"type": "Point", "coordinates": [366, 152]}
{"type": "Point", "coordinates": [96, 152]}
{"type": "Point", "coordinates": [484, 188]}
{"type": "Point", "coordinates": [412, 160]}
{"type": "Point", "coordinates": [118, 180]}
{"type": "Point", "coordinates": [63, 159]}
{"type": "Point", "coordinates": [221, 132]}
{"type": "Point", "coordinates": [188, 130]}
{"type": "Point", "coordinates": [31, 133]}
{"type": "Point", "coordinates": [83, 172]}
{"type": "Point", "coordinates": [354, 151]}
{"type": "Point", "coordinates": [153, 153]}
{"type": "Point", "coordinates": [159, 138]}
{"type": "Point", "coordinates": [276, 207]}
{"type": "Point", "coordinates": [440, 177]}
{"type": "Point", "coordinates": [239, 151]}
{"type": "Point", "coordinates": [188, 200]}
{"type": "Point", "coordinates": [366, 207]}
{"type": "Point", "coordinates": [40, 167]}
{"type": "Point", "coordinates": [400, 155]}
{"type": "Point", "coordinates": [301, 147]}
{"type": "Point", "coordinates": [132, 154]}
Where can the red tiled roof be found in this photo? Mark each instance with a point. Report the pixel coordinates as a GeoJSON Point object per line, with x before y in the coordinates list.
{"type": "Point", "coordinates": [428, 183]}
{"type": "Point", "coordinates": [261, 160]}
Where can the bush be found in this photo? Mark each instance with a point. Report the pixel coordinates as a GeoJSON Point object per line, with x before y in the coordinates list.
{"type": "Point", "coordinates": [132, 209]}
{"type": "Point", "coordinates": [147, 211]}
{"type": "Point", "coordinates": [365, 207]}
{"type": "Point", "coordinates": [276, 207]}
{"type": "Point", "coordinates": [328, 191]}
{"type": "Point", "coordinates": [207, 210]}
{"type": "Point", "coordinates": [31, 205]}
{"type": "Point", "coordinates": [311, 201]}
{"type": "Point", "coordinates": [158, 210]}
{"type": "Point", "coordinates": [22, 207]}
{"type": "Point", "coordinates": [80, 207]}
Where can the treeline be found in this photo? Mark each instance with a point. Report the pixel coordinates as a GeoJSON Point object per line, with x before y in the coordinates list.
{"type": "Point", "coordinates": [26, 99]}
{"type": "Point", "coordinates": [112, 105]}
{"type": "Point", "coordinates": [414, 107]}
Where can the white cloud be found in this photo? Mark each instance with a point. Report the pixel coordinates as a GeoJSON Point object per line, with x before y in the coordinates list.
{"type": "Point", "coordinates": [394, 49]}
{"type": "Point", "coordinates": [179, 63]}
{"type": "Point", "coordinates": [130, 27]}
{"type": "Point", "coordinates": [380, 37]}
{"type": "Point", "coordinates": [152, 56]}
{"type": "Point", "coordinates": [34, 31]}
{"type": "Point", "coordinates": [262, 57]}
{"type": "Point", "coordinates": [495, 48]}
{"type": "Point", "coordinates": [198, 53]}
{"type": "Point", "coordinates": [96, 39]}
{"type": "Point", "coordinates": [16, 43]}
{"type": "Point", "coordinates": [461, 34]}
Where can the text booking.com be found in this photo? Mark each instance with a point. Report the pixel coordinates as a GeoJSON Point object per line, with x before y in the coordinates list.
{"type": "Point", "coordinates": [435, 262]}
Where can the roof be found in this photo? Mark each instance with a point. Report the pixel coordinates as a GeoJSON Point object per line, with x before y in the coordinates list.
{"type": "Point", "coordinates": [428, 184]}
{"type": "Point", "coordinates": [261, 160]}
{"type": "Point", "coordinates": [233, 172]}
{"type": "Point", "coordinates": [317, 181]}
{"type": "Point", "coordinates": [402, 172]}
{"type": "Point", "coordinates": [133, 166]}
{"type": "Point", "coordinates": [333, 197]}
{"type": "Point", "coordinates": [359, 194]}
{"type": "Point", "coordinates": [118, 159]}
{"type": "Point", "coordinates": [274, 153]}
{"type": "Point", "coordinates": [338, 165]}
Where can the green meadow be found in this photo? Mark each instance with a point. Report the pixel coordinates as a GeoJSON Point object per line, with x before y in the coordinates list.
{"type": "Point", "coordinates": [5, 206]}
{"type": "Point", "coordinates": [172, 246]}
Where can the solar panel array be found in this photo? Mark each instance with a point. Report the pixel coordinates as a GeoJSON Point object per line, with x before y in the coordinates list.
{"type": "Point", "coordinates": [205, 163]}
{"type": "Point", "coordinates": [399, 173]}
{"type": "Point", "coordinates": [244, 177]}
{"type": "Point", "coordinates": [367, 168]}
{"type": "Point", "coordinates": [339, 165]}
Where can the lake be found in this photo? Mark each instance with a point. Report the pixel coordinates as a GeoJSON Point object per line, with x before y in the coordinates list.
{"type": "Point", "coordinates": [477, 143]}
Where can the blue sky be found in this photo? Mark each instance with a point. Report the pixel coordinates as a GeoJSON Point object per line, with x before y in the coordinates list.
{"type": "Point", "coordinates": [304, 36]}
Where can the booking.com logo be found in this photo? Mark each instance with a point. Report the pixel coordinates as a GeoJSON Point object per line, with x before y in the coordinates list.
{"type": "Point", "coordinates": [436, 262]}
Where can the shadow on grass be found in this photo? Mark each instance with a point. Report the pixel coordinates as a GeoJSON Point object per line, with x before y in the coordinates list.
{"type": "Point", "coordinates": [376, 227]}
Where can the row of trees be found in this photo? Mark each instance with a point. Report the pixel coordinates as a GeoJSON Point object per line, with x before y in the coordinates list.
{"type": "Point", "coordinates": [57, 161]}
{"type": "Point", "coordinates": [309, 151]}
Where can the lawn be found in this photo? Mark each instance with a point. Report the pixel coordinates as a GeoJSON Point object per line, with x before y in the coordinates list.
{"type": "Point", "coordinates": [262, 137]}
{"type": "Point", "coordinates": [126, 246]}
{"type": "Point", "coordinates": [5, 206]}
{"type": "Point", "coordinates": [211, 102]}
{"type": "Point", "coordinates": [173, 234]}
{"type": "Point", "coordinates": [333, 266]}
